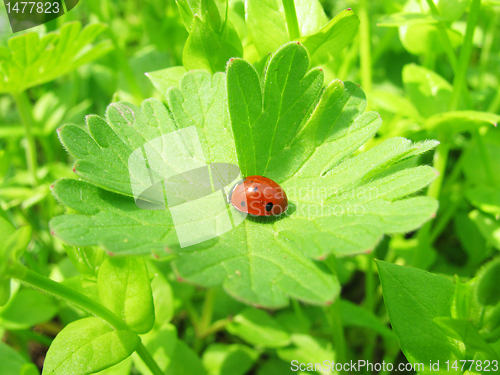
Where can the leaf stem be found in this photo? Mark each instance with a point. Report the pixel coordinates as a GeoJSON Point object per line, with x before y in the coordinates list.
{"type": "Point", "coordinates": [217, 326]}
{"type": "Point", "coordinates": [291, 19]}
{"type": "Point", "coordinates": [424, 233]}
{"type": "Point", "coordinates": [47, 285]}
{"type": "Point", "coordinates": [483, 152]}
{"type": "Point", "coordinates": [384, 44]}
{"type": "Point", "coordinates": [463, 61]}
{"type": "Point", "coordinates": [365, 46]}
{"type": "Point", "coordinates": [488, 43]}
{"type": "Point", "coordinates": [369, 282]}
{"type": "Point", "coordinates": [37, 281]}
{"type": "Point", "coordinates": [148, 359]}
{"type": "Point", "coordinates": [443, 221]}
{"type": "Point", "coordinates": [494, 106]}
{"type": "Point", "coordinates": [440, 160]}
{"type": "Point", "coordinates": [207, 311]}
{"type": "Point", "coordinates": [337, 331]}
{"type": "Point", "coordinates": [334, 318]}
{"type": "Point", "coordinates": [24, 107]}
{"type": "Point", "coordinates": [448, 47]}
{"type": "Point", "coordinates": [369, 303]}
{"type": "Point", "coordinates": [349, 57]}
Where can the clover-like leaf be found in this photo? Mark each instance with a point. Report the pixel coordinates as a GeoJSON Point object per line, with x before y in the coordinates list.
{"type": "Point", "coordinates": [32, 60]}
{"type": "Point", "coordinates": [288, 128]}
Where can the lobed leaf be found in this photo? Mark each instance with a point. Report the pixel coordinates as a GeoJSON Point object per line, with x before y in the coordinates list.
{"type": "Point", "coordinates": [283, 125]}
{"type": "Point", "coordinates": [32, 60]}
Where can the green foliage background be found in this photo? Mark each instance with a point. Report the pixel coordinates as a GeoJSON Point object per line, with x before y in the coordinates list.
{"type": "Point", "coordinates": [388, 106]}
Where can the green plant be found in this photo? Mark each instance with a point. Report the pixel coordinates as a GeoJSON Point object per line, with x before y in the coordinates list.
{"type": "Point", "coordinates": [268, 86]}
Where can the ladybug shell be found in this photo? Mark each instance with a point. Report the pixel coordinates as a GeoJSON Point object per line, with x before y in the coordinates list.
{"type": "Point", "coordinates": [259, 196]}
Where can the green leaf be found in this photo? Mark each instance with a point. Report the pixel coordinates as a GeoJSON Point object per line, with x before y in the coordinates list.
{"type": "Point", "coordinates": [275, 366]}
{"type": "Point", "coordinates": [451, 10]}
{"type": "Point", "coordinates": [464, 331]}
{"type": "Point", "coordinates": [258, 328]}
{"type": "Point", "coordinates": [414, 298]}
{"type": "Point", "coordinates": [355, 316]}
{"type": "Point", "coordinates": [430, 92]}
{"type": "Point", "coordinates": [26, 309]}
{"type": "Point", "coordinates": [166, 78]}
{"type": "Point", "coordinates": [425, 39]}
{"type": "Point", "coordinates": [104, 146]}
{"type": "Point", "coordinates": [266, 25]}
{"type": "Point", "coordinates": [482, 159]}
{"type": "Point", "coordinates": [403, 18]}
{"type": "Point", "coordinates": [488, 283]}
{"type": "Point", "coordinates": [290, 91]}
{"type": "Point", "coordinates": [32, 60]}
{"type": "Point", "coordinates": [450, 123]}
{"type": "Point", "coordinates": [184, 361]}
{"type": "Point", "coordinates": [488, 225]}
{"type": "Point", "coordinates": [14, 363]}
{"type": "Point", "coordinates": [86, 259]}
{"type": "Point", "coordinates": [326, 44]}
{"type": "Point", "coordinates": [212, 38]}
{"type": "Point", "coordinates": [223, 359]}
{"type": "Point", "coordinates": [307, 349]}
{"type": "Point", "coordinates": [161, 343]}
{"type": "Point", "coordinates": [310, 16]}
{"type": "Point", "coordinates": [292, 130]}
{"type": "Point", "coordinates": [187, 10]}
{"type": "Point", "coordinates": [110, 220]}
{"type": "Point", "coordinates": [206, 49]}
{"type": "Point", "coordinates": [486, 198]}
{"type": "Point", "coordinates": [394, 103]}
{"type": "Point", "coordinates": [162, 296]}
{"type": "Point", "coordinates": [122, 368]}
{"type": "Point", "coordinates": [125, 289]}
{"type": "Point", "coordinates": [87, 346]}
{"type": "Point", "coordinates": [12, 247]}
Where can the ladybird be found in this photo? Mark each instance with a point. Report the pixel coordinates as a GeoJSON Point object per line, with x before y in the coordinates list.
{"type": "Point", "coordinates": [259, 196]}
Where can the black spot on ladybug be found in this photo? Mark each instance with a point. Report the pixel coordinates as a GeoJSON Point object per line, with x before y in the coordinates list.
{"type": "Point", "coordinates": [243, 203]}
{"type": "Point", "coordinates": [269, 206]}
